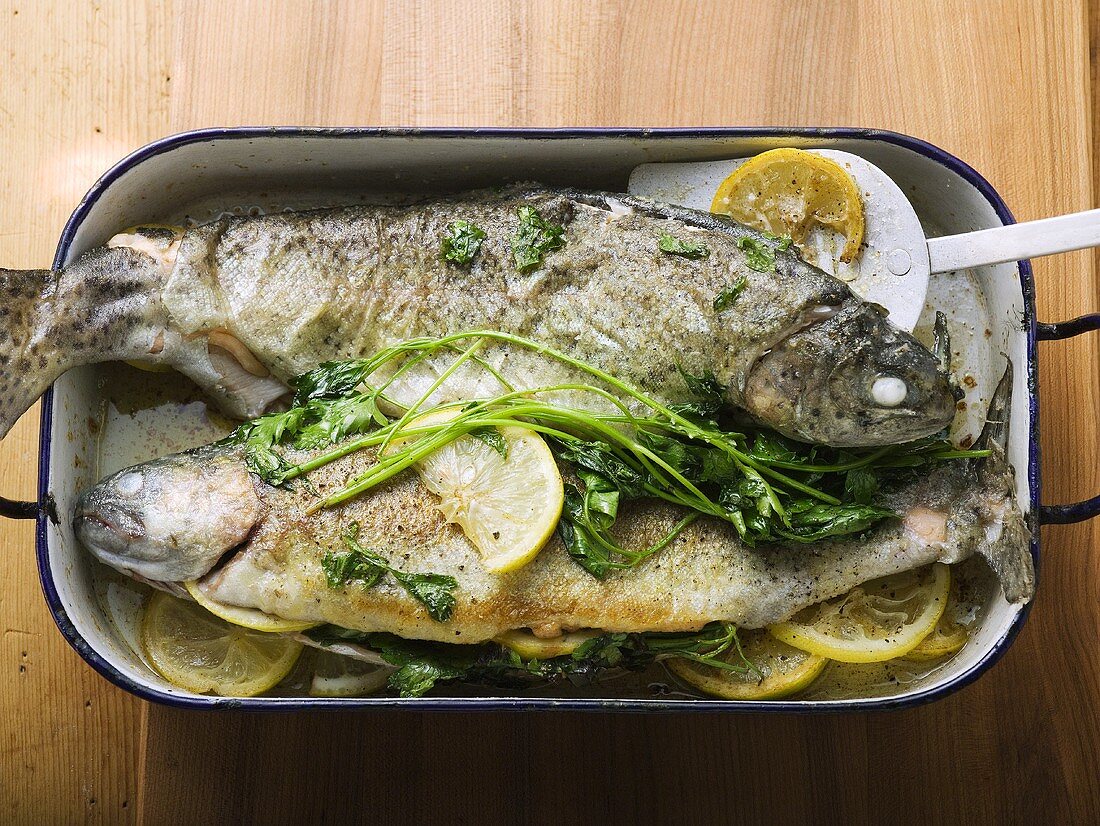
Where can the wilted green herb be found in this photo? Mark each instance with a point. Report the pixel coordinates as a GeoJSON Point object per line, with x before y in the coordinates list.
{"type": "Point", "coordinates": [259, 438]}
{"type": "Point", "coordinates": [422, 665]}
{"type": "Point", "coordinates": [758, 255]}
{"type": "Point", "coordinates": [726, 298]}
{"type": "Point", "coordinates": [493, 438]}
{"type": "Point", "coordinates": [685, 249]}
{"type": "Point", "coordinates": [365, 567]}
{"type": "Point", "coordinates": [783, 242]}
{"type": "Point", "coordinates": [462, 242]}
{"type": "Point", "coordinates": [534, 238]}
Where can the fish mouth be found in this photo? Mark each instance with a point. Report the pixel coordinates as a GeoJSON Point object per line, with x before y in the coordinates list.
{"type": "Point", "coordinates": [170, 520]}
{"type": "Point", "coordinates": [111, 534]}
{"type": "Point", "coordinates": [107, 527]}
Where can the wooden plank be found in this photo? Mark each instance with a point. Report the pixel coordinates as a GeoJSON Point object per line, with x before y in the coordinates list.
{"type": "Point", "coordinates": [1005, 85]}
{"type": "Point", "coordinates": [80, 86]}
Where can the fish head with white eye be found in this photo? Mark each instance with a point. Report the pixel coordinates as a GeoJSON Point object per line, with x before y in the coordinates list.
{"type": "Point", "coordinates": [824, 384]}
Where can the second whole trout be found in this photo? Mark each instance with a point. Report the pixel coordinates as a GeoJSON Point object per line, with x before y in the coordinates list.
{"type": "Point", "coordinates": [243, 304]}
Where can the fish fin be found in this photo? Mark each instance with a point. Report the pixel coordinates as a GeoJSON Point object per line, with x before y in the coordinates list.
{"type": "Point", "coordinates": [105, 306]}
{"type": "Point", "coordinates": [25, 370]}
{"type": "Point", "coordinates": [1007, 543]}
{"type": "Point", "coordinates": [1009, 553]}
{"type": "Point", "coordinates": [995, 431]}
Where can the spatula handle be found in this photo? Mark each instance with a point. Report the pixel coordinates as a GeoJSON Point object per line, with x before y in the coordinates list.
{"type": "Point", "coordinates": [1015, 242]}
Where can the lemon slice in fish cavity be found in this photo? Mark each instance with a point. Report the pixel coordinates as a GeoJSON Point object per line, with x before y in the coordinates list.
{"type": "Point", "coordinates": [193, 649]}
{"type": "Point", "coordinates": [506, 494]}
{"type": "Point", "coordinates": [789, 192]}
{"type": "Point", "coordinates": [245, 617]}
{"type": "Point", "coordinates": [876, 621]}
{"type": "Point", "coordinates": [530, 647]}
{"type": "Point", "coordinates": [781, 670]}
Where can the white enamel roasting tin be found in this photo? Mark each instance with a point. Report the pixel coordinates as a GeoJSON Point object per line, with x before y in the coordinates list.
{"type": "Point", "coordinates": [199, 174]}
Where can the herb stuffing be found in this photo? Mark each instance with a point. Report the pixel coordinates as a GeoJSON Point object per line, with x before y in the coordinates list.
{"type": "Point", "coordinates": [462, 242]}
{"type": "Point", "coordinates": [685, 249]}
{"type": "Point", "coordinates": [422, 665]}
{"type": "Point", "coordinates": [534, 238]}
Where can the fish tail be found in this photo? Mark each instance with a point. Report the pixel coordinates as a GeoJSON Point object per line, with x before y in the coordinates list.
{"type": "Point", "coordinates": [26, 368]}
{"type": "Point", "coordinates": [1007, 546]}
{"type": "Point", "coordinates": [104, 306]}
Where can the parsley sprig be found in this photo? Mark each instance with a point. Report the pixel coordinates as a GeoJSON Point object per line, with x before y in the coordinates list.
{"type": "Point", "coordinates": [768, 487]}
{"type": "Point", "coordinates": [534, 238]}
{"type": "Point", "coordinates": [685, 249]}
{"type": "Point", "coordinates": [363, 567]}
{"type": "Point", "coordinates": [462, 242]}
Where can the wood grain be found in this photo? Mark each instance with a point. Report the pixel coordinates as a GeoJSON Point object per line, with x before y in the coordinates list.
{"type": "Point", "coordinates": [1007, 86]}
{"type": "Point", "coordinates": [80, 86]}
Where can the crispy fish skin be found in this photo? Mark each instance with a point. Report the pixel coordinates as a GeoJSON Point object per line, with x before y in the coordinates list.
{"type": "Point", "coordinates": [948, 513]}
{"type": "Point", "coordinates": [247, 303]}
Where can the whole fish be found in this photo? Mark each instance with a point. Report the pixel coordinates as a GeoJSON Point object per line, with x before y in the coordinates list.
{"type": "Point", "coordinates": [243, 304]}
{"type": "Point", "coordinates": [202, 515]}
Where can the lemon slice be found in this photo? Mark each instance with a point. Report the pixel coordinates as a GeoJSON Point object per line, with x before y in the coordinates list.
{"type": "Point", "coordinates": [335, 675]}
{"type": "Point", "coordinates": [788, 192]}
{"type": "Point", "coordinates": [876, 621]}
{"type": "Point", "coordinates": [530, 647]}
{"type": "Point", "coordinates": [786, 670]}
{"type": "Point", "coordinates": [950, 633]}
{"type": "Point", "coordinates": [195, 650]}
{"type": "Point", "coordinates": [245, 617]}
{"type": "Point", "coordinates": [508, 506]}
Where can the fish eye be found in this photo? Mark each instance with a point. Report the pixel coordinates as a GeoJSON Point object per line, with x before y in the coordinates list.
{"type": "Point", "coordinates": [130, 484]}
{"type": "Point", "coordinates": [889, 391]}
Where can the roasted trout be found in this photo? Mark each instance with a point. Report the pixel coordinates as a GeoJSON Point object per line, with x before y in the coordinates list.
{"type": "Point", "coordinates": [202, 515]}
{"type": "Point", "coordinates": [243, 304]}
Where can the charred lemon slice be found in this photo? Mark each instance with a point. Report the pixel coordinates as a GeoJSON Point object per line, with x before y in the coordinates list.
{"type": "Point", "coordinates": [783, 670]}
{"type": "Point", "coordinates": [530, 647]}
{"type": "Point", "coordinates": [195, 650]}
{"type": "Point", "coordinates": [789, 192]}
{"type": "Point", "coordinates": [504, 491]}
{"type": "Point", "coordinates": [876, 621]}
{"type": "Point", "coordinates": [245, 617]}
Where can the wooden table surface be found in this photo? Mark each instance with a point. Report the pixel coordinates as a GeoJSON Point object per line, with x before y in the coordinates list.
{"type": "Point", "coordinates": [1007, 86]}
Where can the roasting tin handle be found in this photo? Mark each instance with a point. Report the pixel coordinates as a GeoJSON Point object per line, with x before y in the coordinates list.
{"type": "Point", "coordinates": [18, 510]}
{"type": "Point", "coordinates": [1074, 511]}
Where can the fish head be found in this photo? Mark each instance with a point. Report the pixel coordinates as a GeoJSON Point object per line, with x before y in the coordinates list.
{"type": "Point", "coordinates": [852, 379]}
{"type": "Point", "coordinates": [171, 519]}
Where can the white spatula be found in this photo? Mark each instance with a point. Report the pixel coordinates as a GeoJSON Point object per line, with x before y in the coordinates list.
{"type": "Point", "coordinates": [897, 259]}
